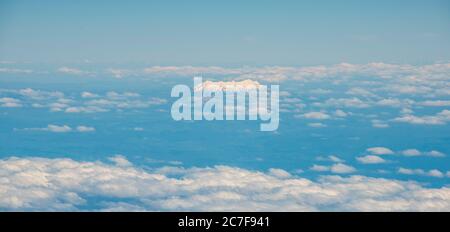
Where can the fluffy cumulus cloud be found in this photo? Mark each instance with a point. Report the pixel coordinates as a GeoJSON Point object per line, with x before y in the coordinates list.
{"type": "Point", "coordinates": [380, 151]}
{"type": "Point", "coordinates": [65, 184]}
{"type": "Point", "coordinates": [370, 159]}
{"type": "Point", "coordinates": [88, 102]}
{"type": "Point", "coordinates": [421, 172]}
{"type": "Point", "coordinates": [338, 168]}
{"type": "Point", "coordinates": [415, 152]}
{"type": "Point", "coordinates": [315, 115]}
{"type": "Point", "coordinates": [10, 102]}
{"type": "Point", "coordinates": [438, 119]}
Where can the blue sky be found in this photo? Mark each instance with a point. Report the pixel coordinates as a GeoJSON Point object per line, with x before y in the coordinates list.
{"type": "Point", "coordinates": [85, 121]}
{"type": "Point", "coordinates": [225, 33]}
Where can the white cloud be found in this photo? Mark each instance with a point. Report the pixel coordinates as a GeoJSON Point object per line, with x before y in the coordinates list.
{"type": "Point", "coordinates": [319, 168]}
{"type": "Point", "coordinates": [380, 151]}
{"type": "Point", "coordinates": [120, 160]}
{"type": "Point", "coordinates": [315, 115]}
{"type": "Point", "coordinates": [342, 168]}
{"type": "Point", "coordinates": [343, 103]}
{"type": "Point", "coordinates": [119, 73]}
{"type": "Point", "coordinates": [190, 70]}
{"type": "Point", "coordinates": [435, 103]}
{"type": "Point", "coordinates": [411, 152]}
{"type": "Point", "coordinates": [394, 102]}
{"type": "Point", "coordinates": [338, 168]}
{"type": "Point", "coordinates": [228, 85]}
{"type": "Point", "coordinates": [440, 118]}
{"type": "Point", "coordinates": [421, 172]}
{"type": "Point", "coordinates": [360, 92]}
{"type": "Point", "coordinates": [62, 128]}
{"type": "Point", "coordinates": [37, 94]}
{"type": "Point", "coordinates": [435, 153]}
{"type": "Point", "coordinates": [58, 129]}
{"type": "Point", "coordinates": [406, 111]}
{"type": "Point", "coordinates": [331, 158]}
{"type": "Point", "coordinates": [15, 70]}
{"type": "Point", "coordinates": [85, 109]}
{"type": "Point", "coordinates": [340, 113]}
{"type": "Point", "coordinates": [379, 124]}
{"type": "Point", "coordinates": [86, 94]}
{"type": "Point", "coordinates": [335, 159]}
{"type": "Point", "coordinates": [320, 91]}
{"type": "Point", "coordinates": [61, 184]}
{"type": "Point", "coordinates": [370, 159]}
{"type": "Point", "coordinates": [280, 173]}
{"type": "Point", "coordinates": [72, 71]}
{"type": "Point", "coordinates": [8, 102]}
{"type": "Point", "coordinates": [435, 173]}
{"type": "Point", "coordinates": [85, 129]}
{"type": "Point", "coordinates": [317, 125]}
{"type": "Point", "coordinates": [415, 152]}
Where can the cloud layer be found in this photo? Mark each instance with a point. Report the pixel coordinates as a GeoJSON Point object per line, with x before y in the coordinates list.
{"type": "Point", "coordinates": [65, 184]}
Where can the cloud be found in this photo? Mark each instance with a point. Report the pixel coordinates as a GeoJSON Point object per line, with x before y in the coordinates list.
{"type": "Point", "coordinates": [435, 153]}
{"type": "Point", "coordinates": [360, 92]}
{"type": "Point", "coordinates": [438, 103]}
{"type": "Point", "coordinates": [8, 102]}
{"type": "Point", "coordinates": [317, 125]}
{"type": "Point", "coordinates": [89, 102]}
{"type": "Point", "coordinates": [335, 159]}
{"type": "Point", "coordinates": [421, 172]}
{"type": "Point", "coordinates": [315, 115]}
{"type": "Point", "coordinates": [85, 109]}
{"type": "Point", "coordinates": [331, 158]}
{"type": "Point", "coordinates": [120, 160]}
{"type": "Point", "coordinates": [86, 94]}
{"type": "Point", "coordinates": [119, 73]}
{"type": "Point", "coordinates": [415, 152]}
{"type": "Point", "coordinates": [379, 124]}
{"type": "Point", "coordinates": [320, 91]}
{"type": "Point", "coordinates": [62, 129]}
{"type": "Point", "coordinates": [340, 113]}
{"type": "Point", "coordinates": [411, 152]}
{"type": "Point", "coordinates": [319, 168]}
{"type": "Point", "coordinates": [15, 70]}
{"type": "Point", "coordinates": [370, 159]}
{"type": "Point", "coordinates": [380, 151]}
{"type": "Point", "coordinates": [85, 129]}
{"type": "Point", "coordinates": [62, 184]}
{"type": "Point", "coordinates": [440, 118]}
{"type": "Point", "coordinates": [72, 71]}
{"type": "Point", "coordinates": [228, 85]}
{"type": "Point", "coordinates": [38, 94]}
{"type": "Point", "coordinates": [280, 173]}
{"type": "Point", "coordinates": [394, 102]}
{"type": "Point", "coordinates": [57, 129]}
{"type": "Point", "coordinates": [190, 70]}
{"type": "Point", "coordinates": [338, 168]}
{"type": "Point", "coordinates": [343, 103]}
{"type": "Point", "coordinates": [342, 168]}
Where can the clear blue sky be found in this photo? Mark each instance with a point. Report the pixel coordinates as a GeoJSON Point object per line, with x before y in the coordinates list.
{"type": "Point", "coordinates": [225, 32]}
